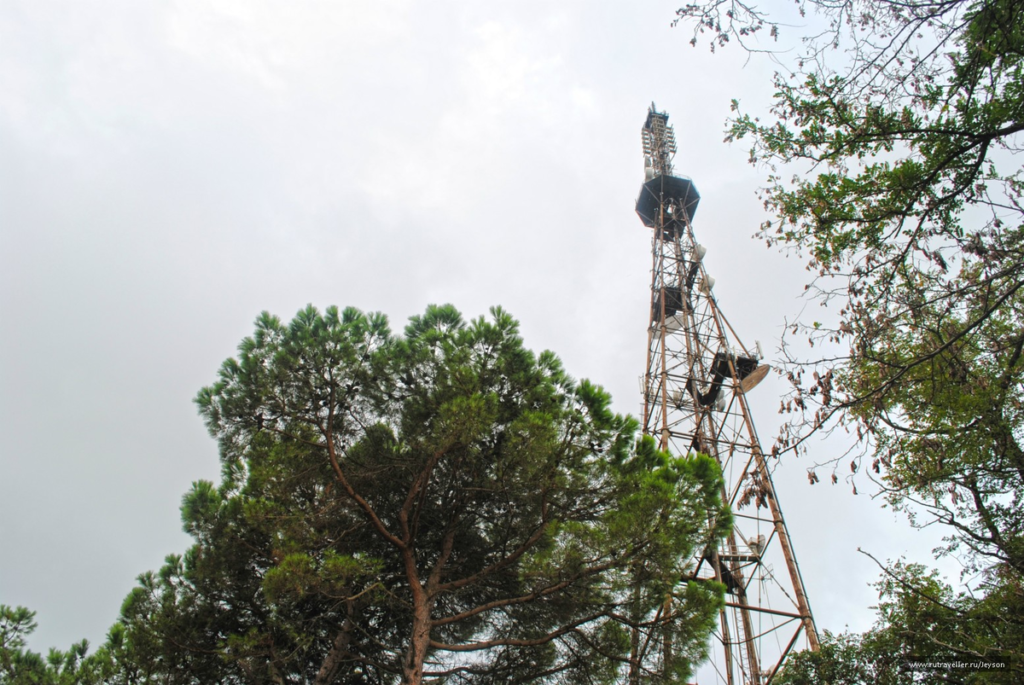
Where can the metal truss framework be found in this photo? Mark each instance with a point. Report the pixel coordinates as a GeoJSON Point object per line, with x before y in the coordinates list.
{"type": "Point", "coordinates": [695, 400]}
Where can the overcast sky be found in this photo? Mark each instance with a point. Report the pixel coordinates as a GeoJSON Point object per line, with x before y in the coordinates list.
{"type": "Point", "coordinates": [170, 169]}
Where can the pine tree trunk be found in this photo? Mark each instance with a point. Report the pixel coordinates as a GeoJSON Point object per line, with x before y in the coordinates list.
{"type": "Point", "coordinates": [412, 673]}
{"type": "Point", "coordinates": [329, 667]}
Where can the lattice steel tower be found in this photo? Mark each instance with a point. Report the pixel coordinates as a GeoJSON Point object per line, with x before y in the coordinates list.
{"type": "Point", "coordinates": [695, 400]}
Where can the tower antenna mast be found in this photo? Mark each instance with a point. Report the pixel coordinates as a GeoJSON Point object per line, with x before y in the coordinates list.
{"type": "Point", "coordinates": [695, 389]}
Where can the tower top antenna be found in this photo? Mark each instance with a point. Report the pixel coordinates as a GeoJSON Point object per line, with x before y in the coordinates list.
{"type": "Point", "coordinates": [659, 144]}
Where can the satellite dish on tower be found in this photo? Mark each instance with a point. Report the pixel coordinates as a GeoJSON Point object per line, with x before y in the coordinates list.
{"type": "Point", "coordinates": [755, 377]}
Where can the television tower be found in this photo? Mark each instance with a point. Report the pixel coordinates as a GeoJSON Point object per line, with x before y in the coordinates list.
{"type": "Point", "coordinates": [695, 400]}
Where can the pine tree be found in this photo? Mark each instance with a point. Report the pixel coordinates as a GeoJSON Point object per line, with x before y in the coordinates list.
{"type": "Point", "coordinates": [441, 506]}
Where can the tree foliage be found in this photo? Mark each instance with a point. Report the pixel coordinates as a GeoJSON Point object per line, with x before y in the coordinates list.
{"type": "Point", "coordinates": [441, 506]}
{"type": "Point", "coordinates": [21, 666]}
{"type": "Point", "coordinates": [892, 151]}
{"type": "Point", "coordinates": [925, 632]}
